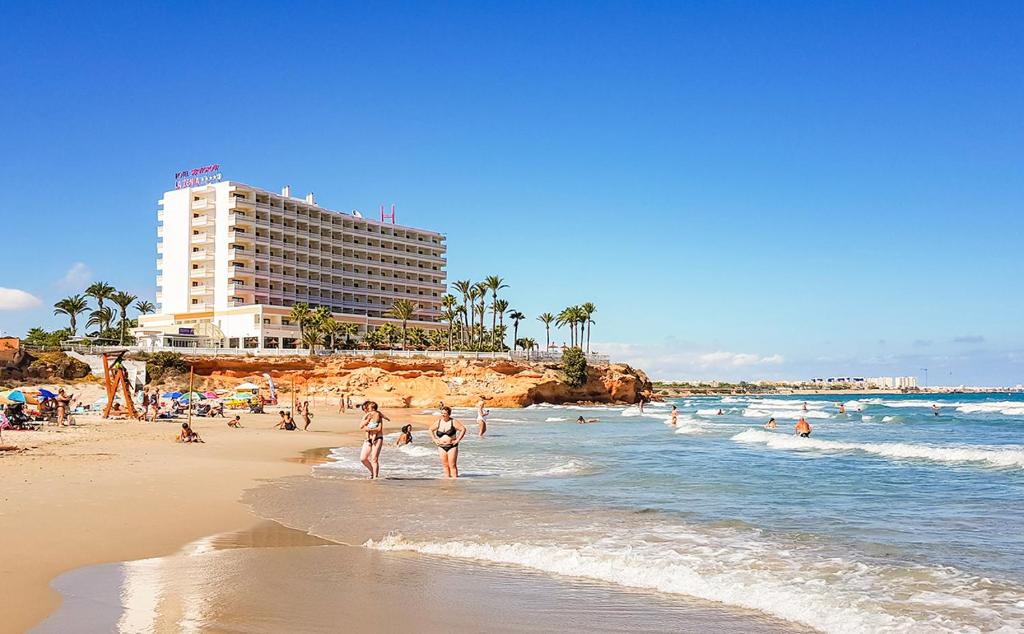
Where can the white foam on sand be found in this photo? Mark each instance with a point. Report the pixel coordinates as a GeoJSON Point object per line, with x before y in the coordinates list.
{"type": "Point", "coordinates": [828, 593]}
{"type": "Point", "coordinates": [1007, 457]}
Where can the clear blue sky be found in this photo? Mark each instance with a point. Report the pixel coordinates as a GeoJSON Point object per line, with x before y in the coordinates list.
{"type": "Point", "coordinates": [744, 189]}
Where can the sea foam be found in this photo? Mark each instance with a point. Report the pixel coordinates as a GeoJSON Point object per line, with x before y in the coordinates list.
{"type": "Point", "coordinates": [1010, 457]}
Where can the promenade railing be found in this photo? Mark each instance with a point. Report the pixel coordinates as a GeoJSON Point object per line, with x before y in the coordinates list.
{"type": "Point", "coordinates": [518, 355]}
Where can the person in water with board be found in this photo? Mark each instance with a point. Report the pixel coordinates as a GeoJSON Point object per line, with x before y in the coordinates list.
{"type": "Point", "coordinates": [447, 433]}
{"type": "Point", "coordinates": [803, 428]}
{"type": "Point", "coordinates": [373, 425]}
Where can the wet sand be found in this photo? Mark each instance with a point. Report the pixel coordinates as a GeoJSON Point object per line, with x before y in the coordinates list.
{"type": "Point", "coordinates": [272, 579]}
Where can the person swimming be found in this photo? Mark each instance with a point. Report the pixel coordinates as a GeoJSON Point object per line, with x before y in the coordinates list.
{"type": "Point", "coordinates": [405, 436]}
{"type": "Point", "coordinates": [675, 416]}
{"type": "Point", "coordinates": [842, 408]}
{"type": "Point", "coordinates": [583, 421]}
{"type": "Point", "coordinates": [447, 433]}
{"type": "Point", "coordinates": [720, 413]}
{"type": "Point", "coordinates": [771, 424]}
{"type": "Point", "coordinates": [803, 428]}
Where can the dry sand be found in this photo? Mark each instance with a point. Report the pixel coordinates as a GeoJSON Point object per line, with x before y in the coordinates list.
{"type": "Point", "coordinates": [110, 491]}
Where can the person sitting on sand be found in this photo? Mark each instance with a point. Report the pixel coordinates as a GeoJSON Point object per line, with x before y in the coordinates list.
{"type": "Point", "coordinates": [404, 436]}
{"type": "Point", "coordinates": [235, 422]}
{"type": "Point", "coordinates": [803, 428]}
{"type": "Point", "coordinates": [188, 434]}
{"type": "Point", "coordinates": [286, 423]}
{"type": "Point", "coordinates": [373, 425]}
{"type": "Point", "coordinates": [675, 416]}
{"type": "Point", "coordinates": [447, 433]}
{"type": "Point", "coordinates": [770, 424]}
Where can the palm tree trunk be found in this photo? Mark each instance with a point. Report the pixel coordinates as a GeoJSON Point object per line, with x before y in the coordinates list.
{"type": "Point", "coordinates": [588, 336]}
{"type": "Point", "coordinates": [547, 337]}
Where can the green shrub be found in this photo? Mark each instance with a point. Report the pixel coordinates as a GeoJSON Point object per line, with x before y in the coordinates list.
{"type": "Point", "coordinates": [574, 367]}
{"type": "Point", "coordinates": [164, 364]}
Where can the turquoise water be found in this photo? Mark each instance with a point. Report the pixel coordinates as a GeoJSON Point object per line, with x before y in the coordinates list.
{"type": "Point", "coordinates": [888, 518]}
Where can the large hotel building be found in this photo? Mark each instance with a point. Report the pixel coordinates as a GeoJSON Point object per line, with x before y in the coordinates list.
{"type": "Point", "coordinates": [232, 260]}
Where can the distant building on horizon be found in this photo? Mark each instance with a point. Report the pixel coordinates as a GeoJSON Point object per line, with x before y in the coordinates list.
{"type": "Point", "coordinates": [233, 259]}
{"type": "Point", "coordinates": [878, 382]}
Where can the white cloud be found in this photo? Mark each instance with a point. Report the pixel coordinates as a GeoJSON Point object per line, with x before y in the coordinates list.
{"type": "Point", "coordinates": [77, 276]}
{"type": "Point", "coordinates": [678, 360]}
{"type": "Point", "coordinates": [17, 299]}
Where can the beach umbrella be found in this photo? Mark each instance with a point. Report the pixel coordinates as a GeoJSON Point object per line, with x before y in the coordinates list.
{"type": "Point", "coordinates": [46, 393]}
{"type": "Point", "coordinates": [210, 395]}
{"type": "Point", "coordinates": [246, 386]}
{"type": "Point", "coordinates": [12, 396]}
{"type": "Point", "coordinates": [170, 395]}
{"type": "Point", "coordinates": [191, 395]}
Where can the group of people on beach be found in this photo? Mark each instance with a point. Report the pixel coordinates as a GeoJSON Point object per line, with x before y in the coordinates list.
{"type": "Point", "coordinates": [445, 433]}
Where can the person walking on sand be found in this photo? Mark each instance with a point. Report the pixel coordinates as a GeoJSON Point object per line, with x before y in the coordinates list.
{"type": "Point", "coordinates": [307, 416]}
{"type": "Point", "coordinates": [341, 404]}
{"type": "Point", "coordinates": [481, 415]}
{"type": "Point", "coordinates": [373, 425]}
{"type": "Point", "coordinates": [447, 433]}
{"type": "Point", "coordinates": [675, 416]}
{"type": "Point", "coordinates": [803, 428]}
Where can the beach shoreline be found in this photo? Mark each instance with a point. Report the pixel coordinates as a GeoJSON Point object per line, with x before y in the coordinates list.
{"type": "Point", "coordinates": [113, 491]}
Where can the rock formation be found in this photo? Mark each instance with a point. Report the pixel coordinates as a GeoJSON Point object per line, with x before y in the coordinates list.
{"type": "Point", "coordinates": [424, 382]}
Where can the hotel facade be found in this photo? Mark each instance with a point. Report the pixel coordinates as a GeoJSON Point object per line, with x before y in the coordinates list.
{"type": "Point", "coordinates": [232, 259]}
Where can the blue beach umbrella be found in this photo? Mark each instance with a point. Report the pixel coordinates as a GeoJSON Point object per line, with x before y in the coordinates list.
{"type": "Point", "coordinates": [12, 396]}
{"type": "Point", "coordinates": [170, 395]}
{"type": "Point", "coordinates": [46, 393]}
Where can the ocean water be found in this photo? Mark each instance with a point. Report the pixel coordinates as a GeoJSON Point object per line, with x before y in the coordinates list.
{"type": "Point", "coordinates": [888, 519]}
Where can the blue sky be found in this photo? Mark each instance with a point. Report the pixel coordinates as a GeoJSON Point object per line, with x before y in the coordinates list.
{"type": "Point", "coordinates": [745, 190]}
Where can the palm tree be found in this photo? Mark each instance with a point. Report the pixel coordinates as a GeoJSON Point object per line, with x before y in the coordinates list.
{"type": "Point", "coordinates": [100, 318]}
{"type": "Point", "coordinates": [403, 309]}
{"type": "Point", "coordinates": [450, 314]}
{"type": "Point", "coordinates": [312, 336]}
{"type": "Point", "coordinates": [565, 318]}
{"type": "Point", "coordinates": [331, 329]}
{"type": "Point", "coordinates": [494, 284]}
{"type": "Point", "coordinates": [516, 317]}
{"type": "Point", "coordinates": [301, 314]}
{"type": "Point", "coordinates": [472, 295]}
{"type": "Point", "coordinates": [464, 286]}
{"type": "Point", "coordinates": [72, 306]}
{"type": "Point", "coordinates": [100, 291]}
{"type": "Point", "coordinates": [349, 330]}
{"type": "Point", "coordinates": [144, 307]}
{"type": "Point", "coordinates": [527, 344]}
{"type": "Point", "coordinates": [588, 311]}
{"type": "Point", "coordinates": [124, 302]}
{"type": "Point", "coordinates": [500, 307]}
{"type": "Point", "coordinates": [546, 319]}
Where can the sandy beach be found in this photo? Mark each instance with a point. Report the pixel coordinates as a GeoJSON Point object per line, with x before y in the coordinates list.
{"type": "Point", "coordinates": [109, 491]}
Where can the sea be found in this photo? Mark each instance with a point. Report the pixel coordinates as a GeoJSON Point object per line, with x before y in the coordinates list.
{"type": "Point", "coordinates": [898, 514]}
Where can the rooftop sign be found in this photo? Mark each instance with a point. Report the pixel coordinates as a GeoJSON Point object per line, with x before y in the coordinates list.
{"type": "Point", "coordinates": [198, 176]}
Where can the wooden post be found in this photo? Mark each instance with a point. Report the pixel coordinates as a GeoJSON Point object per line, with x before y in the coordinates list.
{"type": "Point", "coordinates": [291, 410]}
{"type": "Point", "coordinates": [191, 398]}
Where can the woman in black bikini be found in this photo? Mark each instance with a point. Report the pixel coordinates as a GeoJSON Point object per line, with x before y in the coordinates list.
{"type": "Point", "coordinates": [447, 433]}
{"type": "Point", "coordinates": [373, 425]}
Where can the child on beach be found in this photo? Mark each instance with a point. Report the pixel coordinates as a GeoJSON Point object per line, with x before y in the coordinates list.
{"type": "Point", "coordinates": [235, 422]}
{"type": "Point", "coordinates": [307, 416]}
{"type": "Point", "coordinates": [405, 437]}
{"type": "Point", "coordinates": [187, 434]}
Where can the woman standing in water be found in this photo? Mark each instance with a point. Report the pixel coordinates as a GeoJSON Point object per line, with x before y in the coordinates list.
{"type": "Point", "coordinates": [481, 415]}
{"type": "Point", "coordinates": [447, 433]}
{"type": "Point", "coordinates": [373, 425]}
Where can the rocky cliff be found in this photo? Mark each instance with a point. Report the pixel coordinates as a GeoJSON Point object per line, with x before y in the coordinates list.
{"type": "Point", "coordinates": [424, 382]}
